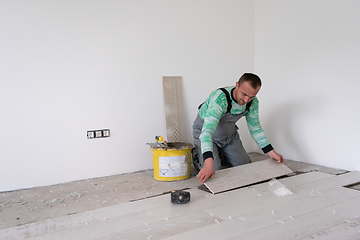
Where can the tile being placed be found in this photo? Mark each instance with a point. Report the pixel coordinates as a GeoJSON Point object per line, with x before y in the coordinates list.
{"type": "Point", "coordinates": [235, 177]}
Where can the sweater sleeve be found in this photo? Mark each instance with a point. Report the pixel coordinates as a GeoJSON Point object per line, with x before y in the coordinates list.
{"type": "Point", "coordinates": [211, 112]}
{"type": "Point", "coordinates": [256, 131]}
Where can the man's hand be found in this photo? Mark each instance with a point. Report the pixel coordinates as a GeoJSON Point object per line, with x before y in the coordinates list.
{"type": "Point", "coordinates": [207, 171]}
{"type": "Point", "coordinates": [276, 156]}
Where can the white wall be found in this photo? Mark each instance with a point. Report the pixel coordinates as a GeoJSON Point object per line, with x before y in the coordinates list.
{"type": "Point", "coordinates": [71, 66]}
{"type": "Point", "coordinates": [307, 53]}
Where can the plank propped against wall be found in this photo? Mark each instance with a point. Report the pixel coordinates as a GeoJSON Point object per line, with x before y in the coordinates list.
{"type": "Point", "coordinates": [174, 109]}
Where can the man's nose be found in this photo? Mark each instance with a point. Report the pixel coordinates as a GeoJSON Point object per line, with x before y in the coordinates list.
{"type": "Point", "coordinates": [246, 99]}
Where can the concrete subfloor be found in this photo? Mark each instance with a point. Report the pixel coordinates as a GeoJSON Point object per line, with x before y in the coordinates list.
{"type": "Point", "coordinates": [41, 203]}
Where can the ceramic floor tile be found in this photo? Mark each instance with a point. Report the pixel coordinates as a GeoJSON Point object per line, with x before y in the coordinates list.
{"type": "Point", "coordinates": [305, 178]}
{"type": "Point", "coordinates": [297, 166]}
{"type": "Point", "coordinates": [332, 182]}
{"type": "Point", "coordinates": [224, 230]}
{"type": "Point", "coordinates": [333, 171]}
{"type": "Point", "coordinates": [244, 205]}
{"type": "Point", "coordinates": [198, 200]}
{"type": "Point", "coordinates": [166, 228]}
{"type": "Point", "coordinates": [349, 230]}
{"type": "Point", "coordinates": [299, 184]}
{"type": "Point", "coordinates": [102, 228]}
{"type": "Point", "coordinates": [174, 109]}
{"type": "Point", "coordinates": [319, 207]}
{"type": "Point", "coordinates": [263, 189]}
{"type": "Point", "coordinates": [273, 211]}
{"type": "Point", "coordinates": [249, 199]}
{"type": "Point", "coordinates": [348, 209]}
{"type": "Point", "coordinates": [262, 227]}
{"type": "Point", "coordinates": [295, 181]}
{"type": "Point", "coordinates": [308, 224]}
{"type": "Point", "coordinates": [298, 207]}
{"type": "Point", "coordinates": [48, 226]}
{"type": "Point", "coordinates": [130, 207]}
{"type": "Point", "coordinates": [247, 174]}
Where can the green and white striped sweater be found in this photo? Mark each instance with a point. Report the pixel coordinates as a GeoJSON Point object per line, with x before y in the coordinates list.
{"type": "Point", "coordinates": [215, 107]}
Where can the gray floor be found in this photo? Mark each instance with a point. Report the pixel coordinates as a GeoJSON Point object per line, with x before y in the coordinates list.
{"type": "Point", "coordinates": [135, 206]}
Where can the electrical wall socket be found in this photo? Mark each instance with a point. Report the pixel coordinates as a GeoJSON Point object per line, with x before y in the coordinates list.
{"type": "Point", "coordinates": [90, 134]}
{"type": "Point", "coordinates": [106, 133]}
{"type": "Point", "coordinates": [98, 133]}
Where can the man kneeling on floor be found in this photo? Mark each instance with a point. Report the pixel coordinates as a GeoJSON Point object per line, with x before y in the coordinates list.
{"type": "Point", "coordinates": [216, 138]}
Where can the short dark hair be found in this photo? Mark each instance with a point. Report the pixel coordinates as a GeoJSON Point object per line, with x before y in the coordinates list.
{"type": "Point", "coordinates": [254, 80]}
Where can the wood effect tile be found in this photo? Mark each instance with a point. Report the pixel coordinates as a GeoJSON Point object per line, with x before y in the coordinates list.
{"type": "Point", "coordinates": [249, 199]}
{"type": "Point", "coordinates": [48, 226]}
{"type": "Point", "coordinates": [297, 166]}
{"type": "Point", "coordinates": [102, 228]}
{"type": "Point", "coordinates": [174, 109]}
{"type": "Point", "coordinates": [224, 230]}
{"type": "Point", "coordinates": [263, 189]}
{"type": "Point", "coordinates": [332, 182]}
{"type": "Point", "coordinates": [283, 211]}
{"type": "Point", "coordinates": [307, 183]}
{"type": "Point", "coordinates": [243, 175]}
{"type": "Point", "coordinates": [198, 200]}
{"type": "Point", "coordinates": [166, 228]}
{"type": "Point", "coordinates": [130, 207]}
{"type": "Point", "coordinates": [249, 215]}
{"type": "Point", "coordinates": [348, 230]}
{"type": "Point", "coordinates": [267, 224]}
{"type": "Point", "coordinates": [308, 224]}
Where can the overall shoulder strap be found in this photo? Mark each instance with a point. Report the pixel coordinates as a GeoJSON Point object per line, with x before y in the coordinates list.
{"type": "Point", "coordinates": [248, 106]}
{"type": "Point", "coordinates": [227, 98]}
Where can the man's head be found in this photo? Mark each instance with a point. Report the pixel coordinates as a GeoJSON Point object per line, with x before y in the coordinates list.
{"type": "Point", "coordinates": [246, 88]}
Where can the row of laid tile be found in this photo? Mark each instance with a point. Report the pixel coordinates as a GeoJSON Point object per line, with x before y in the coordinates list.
{"type": "Point", "coordinates": [305, 202]}
{"type": "Point", "coordinates": [158, 210]}
{"type": "Point", "coordinates": [348, 230]}
{"type": "Point", "coordinates": [310, 223]}
{"type": "Point", "coordinates": [282, 207]}
{"type": "Point", "coordinates": [35, 229]}
{"type": "Point", "coordinates": [295, 220]}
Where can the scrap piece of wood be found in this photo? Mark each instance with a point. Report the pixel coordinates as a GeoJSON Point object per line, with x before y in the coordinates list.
{"type": "Point", "coordinates": [174, 109]}
{"type": "Point", "coordinates": [235, 177]}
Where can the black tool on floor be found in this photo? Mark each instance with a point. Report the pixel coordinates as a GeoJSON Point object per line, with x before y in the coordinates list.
{"type": "Point", "coordinates": [180, 197]}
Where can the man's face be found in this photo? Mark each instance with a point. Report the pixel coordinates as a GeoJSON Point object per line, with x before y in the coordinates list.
{"type": "Point", "coordinates": [244, 93]}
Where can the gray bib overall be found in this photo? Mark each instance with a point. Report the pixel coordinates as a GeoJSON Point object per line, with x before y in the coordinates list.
{"type": "Point", "coordinates": [226, 139]}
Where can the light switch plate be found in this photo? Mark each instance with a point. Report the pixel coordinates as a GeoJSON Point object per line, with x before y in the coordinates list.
{"type": "Point", "coordinates": [103, 133]}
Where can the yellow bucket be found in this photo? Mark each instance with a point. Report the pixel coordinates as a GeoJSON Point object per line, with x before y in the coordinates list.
{"type": "Point", "coordinates": [172, 163]}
